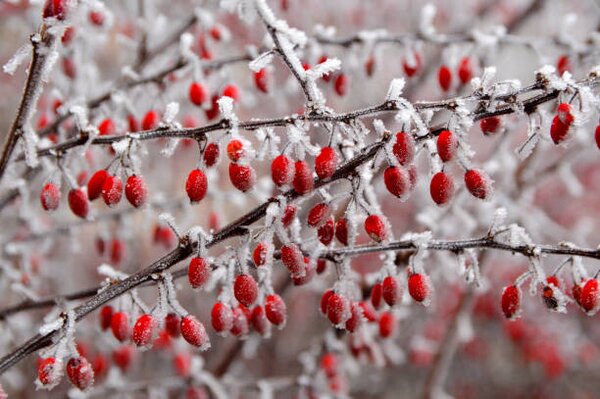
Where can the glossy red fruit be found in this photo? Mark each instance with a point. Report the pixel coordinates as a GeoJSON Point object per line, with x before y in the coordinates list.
{"type": "Point", "coordinates": [106, 127]}
{"type": "Point", "coordinates": [441, 188]}
{"type": "Point", "coordinates": [404, 148]}
{"type": "Point", "coordinates": [136, 190]}
{"type": "Point", "coordinates": [49, 371]}
{"type": "Point", "coordinates": [341, 231]}
{"type": "Point", "coordinates": [376, 295]}
{"type": "Point", "coordinates": [465, 70]}
{"type": "Point", "coordinates": [341, 84]}
{"type": "Point", "coordinates": [106, 314]}
{"type": "Point", "coordinates": [321, 265]}
{"type": "Point", "coordinates": [197, 93]}
{"type": "Point", "coordinates": [376, 228]}
{"type": "Point", "coordinates": [80, 372]}
{"type": "Point", "coordinates": [282, 170]}
{"type": "Point", "coordinates": [293, 259]}
{"type": "Point", "coordinates": [445, 78]}
{"type": "Point", "coordinates": [95, 184]}
{"type": "Point", "coordinates": [221, 317]}
{"type": "Point", "coordinates": [132, 123]}
{"type": "Point", "coordinates": [391, 290]}
{"type": "Point", "coordinates": [565, 114]}
{"type": "Point", "coordinates": [397, 181]}
{"type": "Point", "coordinates": [325, 301]}
{"type": "Point", "coordinates": [112, 190]}
{"type": "Point", "coordinates": [123, 357]}
{"type": "Point", "coordinates": [275, 310]}
{"type": "Point", "coordinates": [338, 309]}
{"type": "Point", "coordinates": [308, 274]}
{"type": "Point", "coordinates": [597, 136]}
{"type": "Point", "coordinates": [260, 253]}
{"type": "Point", "coordinates": [235, 150]}
{"type": "Point", "coordinates": [199, 272]}
{"type": "Point", "coordinates": [318, 214]}
{"type": "Point", "coordinates": [419, 287]}
{"type": "Point", "coordinates": [288, 215]}
{"type": "Point", "coordinates": [119, 325]}
{"type": "Point", "coordinates": [194, 333]}
{"type": "Point", "coordinates": [55, 9]}
{"type": "Point", "coordinates": [447, 145]}
{"type": "Point", "coordinates": [259, 320]}
{"type": "Point", "coordinates": [211, 154]}
{"type": "Point", "coordinates": [511, 302]}
{"type": "Point", "coordinates": [196, 185]}
{"type": "Point", "coordinates": [143, 330]}
{"type": "Point", "coordinates": [326, 231]}
{"type": "Point", "coordinates": [78, 203]}
{"type": "Point", "coordinates": [261, 80]}
{"type": "Point", "coordinates": [241, 322]}
{"type": "Point", "coordinates": [387, 324]}
{"type": "Point", "coordinates": [243, 177]}
{"type": "Point", "coordinates": [245, 289]}
{"type": "Point", "coordinates": [478, 183]}
{"type": "Point", "coordinates": [150, 120]}
{"type": "Point", "coordinates": [356, 318]}
{"type": "Point", "coordinates": [559, 131]}
{"type": "Point", "coordinates": [590, 296]}
{"type": "Point", "coordinates": [563, 65]}
{"type": "Point", "coordinates": [490, 125]}
{"type": "Point", "coordinates": [412, 67]}
{"type": "Point", "coordinates": [303, 179]}
{"type": "Point", "coordinates": [172, 325]}
{"type": "Point", "coordinates": [231, 91]}
{"type": "Point", "coordinates": [326, 162]}
{"type": "Point", "coordinates": [50, 197]}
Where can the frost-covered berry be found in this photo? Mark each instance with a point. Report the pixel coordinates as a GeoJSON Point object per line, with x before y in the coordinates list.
{"type": "Point", "coordinates": [597, 136]}
{"type": "Point", "coordinates": [260, 253]}
{"type": "Point", "coordinates": [376, 295]}
{"type": "Point", "coordinates": [55, 9]}
{"type": "Point", "coordinates": [282, 170]}
{"type": "Point", "coordinates": [194, 333]}
{"type": "Point", "coordinates": [235, 150]}
{"type": "Point", "coordinates": [447, 144]}
{"type": "Point", "coordinates": [387, 324]}
{"type": "Point", "coordinates": [275, 310]}
{"type": "Point", "coordinates": [243, 177]}
{"type": "Point", "coordinates": [96, 18]}
{"type": "Point", "coordinates": [419, 287]}
{"type": "Point", "coordinates": [376, 228]}
{"type": "Point", "coordinates": [326, 231]}
{"type": "Point", "coordinates": [112, 190]}
{"type": "Point", "coordinates": [303, 180]}
{"type": "Point", "coordinates": [441, 188]}
{"type": "Point", "coordinates": [478, 183]}
{"type": "Point", "coordinates": [143, 330]}
{"type": "Point", "coordinates": [49, 371]}
{"type": "Point", "coordinates": [197, 93]}
{"type": "Point", "coordinates": [164, 235]}
{"type": "Point", "coordinates": [80, 372]}
{"type": "Point", "coordinates": [150, 120]}
{"type": "Point", "coordinates": [106, 314]}
{"type": "Point", "coordinates": [241, 322]}
{"type": "Point", "coordinates": [262, 80]}
{"type": "Point", "coordinates": [404, 148]}
{"type": "Point", "coordinates": [136, 190]}
{"type": "Point", "coordinates": [172, 325]}
{"type": "Point", "coordinates": [199, 272]}
{"type": "Point", "coordinates": [231, 91]}
{"type": "Point", "coordinates": [341, 231]}
{"type": "Point", "coordinates": [245, 289]}
{"type": "Point", "coordinates": [563, 65]}
{"type": "Point", "coordinates": [412, 66]}
{"type": "Point", "coordinates": [356, 318]}
{"type": "Point", "coordinates": [307, 275]}
{"type": "Point", "coordinates": [259, 321]}
{"type": "Point", "coordinates": [318, 214]}
{"type": "Point", "coordinates": [341, 84]}
{"type": "Point", "coordinates": [196, 185]}
{"type": "Point", "coordinates": [548, 292]}
{"type": "Point", "coordinates": [211, 154]}
{"type": "Point", "coordinates": [119, 325]}
{"type": "Point", "coordinates": [94, 186]}
{"type": "Point", "coordinates": [326, 162]}
{"type": "Point", "coordinates": [324, 301]}
{"type": "Point", "coordinates": [50, 197]}
{"type": "Point", "coordinates": [338, 309]}
{"type": "Point", "coordinates": [511, 302]}
{"type": "Point", "coordinates": [368, 311]}
{"type": "Point", "coordinates": [106, 127]}
{"type": "Point", "coordinates": [561, 124]}
{"type": "Point", "coordinates": [289, 214]}
{"type": "Point", "coordinates": [465, 70]}
{"type": "Point", "coordinates": [293, 259]}
{"type": "Point", "coordinates": [397, 181]}
{"type": "Point", "coordinates": [391, 290]}
{"type": "Point", "coordinates": [445, 78]}
{"type": "Point", "coordinates": [78, 203]}
{"type": "Point", "coordinates": [221, 317]}
{"type": "Point", "coordinates": [490, 125]}
{"type": "Point", "coordinates": [590, 296]}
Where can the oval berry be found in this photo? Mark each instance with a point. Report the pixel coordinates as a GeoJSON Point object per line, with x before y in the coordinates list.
{"type": "Point", "coordinates": [241, 324]}
{"type": "Point", "coordinates": [338, 309]}
{"type": "Point", "coordinates": [259, 320]}
{"type": "Point", "coordinates": [106, 127]}
{"type": "Point", "coordinates": [303, 180]}
{"type": "Point", "coordinates": [478, 183]}
{"type": "Point", "coordinates": [94, 186]}
{"type": "Point", "coordinates": [80, 372]}
{"type": "Point", "coordinates": [243, 177]}
{"type": "Point", "coordinates": [261, 80]}
{"type": "Point", "coordinates": [106, 314]}
{"type": "Point", "coordinates": [260, 253]}
{"type": "Point", "coordinates": [231, 91]}
{"type": "Point", "coordinates": [282, 170]}
{"type": "Point", "coordinates": [288, 215]}
{"type": "Point", "coordinates": [143, 330]}
{"type": "Point", "coordinates": [245, 289]}
{"type": "Point", "coordinates": [78, 203]}
{"type": "Point", "coordinates": [341, 84]}
{"type": "Point", "coordinates": [326, 162]}
{"type": "Point", "coordinates": [490, 125]}
{"type": "Point", "coordinates": [326, 231]}
{"type": "Point", "coordinates": [50, 197]}
{"type": "Point", "coordinates": [150, 120]}
{"type": "Point", "coordinates": [419, 287]}
{"type": "Point", "coordinates": [49, 371]}
{"type": "Point", "coordinates": [511, 301]}
{"type": "Point", "coordinates": [275, 310]}
{"type": "Point", "coordinates": [199, 272]}
{"type": "Point", "coordinates": [397, 181]}
{"type": "Point", "coordinates": [412, 66]}
{"type": "Point", "coordinates": [197, 93]}
{"type": "Point", "coordinates": [211, 154]}
{"type": "Point", "coordinates": [376, 295]}
{"type": "Point", "coordinates": [318, 214]}
{"type": "Point", "coordinates": [119, 325]}
{"type": "Point", "coordinates": [221, 317]}
{"type": "Point", "coordinates": [293, 259]}
{"type": "Point", "coordinates": [123, 357]}
{"type": "Point", "coordinates": [387, 324]}
{"type": "Point", "coordinates": [447, 144]}
{"type": "Point", "coordinates": [172, 325]}
{"type": "Point", "coordinates": [391, 292]}
{"type": "Point", "coordinates": [441, 188]}
{"type": "Point", "coordinates": [465, 70]}
{"type": "Point", "coordinates": [235, 150]}
{"type": "Point", "coordinates": [194, 333]}
{"type": "Point", "coordinates": [324, 301]}
{"type": "Point", "coordinates": [196, 185]}
{"type": "Point", "coordinates": [136, 190]}
{"type": "Point", "coordinates": [112, 190]}
{"type": "Point", "coordinates": [590, 296]}
{"type": "Point", "coordinates": [376, 228]}
{"type": "Point", "coordinates": [404, 148]}
{"type": "Point", "coordinates": [341, 231]}
{"type": "Point", "coordinates": [445, 78]}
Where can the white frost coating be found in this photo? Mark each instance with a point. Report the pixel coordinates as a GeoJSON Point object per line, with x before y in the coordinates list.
{"type": "Point", "coordinates": [483, 83]}
{"type": "Point", "coordinates": [51, 59]}
{"type": "Point", "coordinates": [185, 46]}
{"type": "Point", "coordinates": [324, 68]}
{"type": "Point", "coordinates": [527, 147]}
{"type": "Point", "coordinates": [548, 73]}
{"type": "Point", "coordinates": [30, 144]}
{"type": "Point", "coordinates": [11, 66]}
{"type": "Point", "coordinates": [426, 27]}
{"type": "Point", "coordinates": [491, 39]}
{"type": "Point", "coordinates": [261, 61]}
{"type": "Point", "coordinates": [121, 146]}
{"type": "Point", "coordinates": [395, 90]}
{"type": "Point", "coordinates": [80, 114]}
{"type": "Point", "coordinates": [171, 111]}
{"type": "Point", "coordinates": [54, 325]}
{"type": "Point", "coordinates": [570, 180]}
{"type": "Point", "coordinates": [130, 73]}
{"type": "Point", "coordinates": [110, 272]}
{"type": "Point", "coordinates": [498, 220]}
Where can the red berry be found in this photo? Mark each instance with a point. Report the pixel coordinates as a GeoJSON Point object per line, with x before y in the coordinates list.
{"type": "Point", "coordinates": [95, 184]}
{"type": "Point", "coordinates": [232, 91]}
{"type": "Point", "coordinates": [106, 127]}
{"type": "Point", "coordinates": [194, 333]}
{"type": "Point", "coordinates": [69, 68]}
{"type": "Point", "coordinates": [293, 259]}
{"type": "Point", "coordinates": [150, 120]}
{"type": "Point", "coordinates": [330, 364]}
{"type": "Point", "coordinates": [325, 300]}
{"type": "Point", "coordinates": [136, 190]}
{"type": "Point", "coordinates": [368, 311]}
{"type": "Point", "coordinates": [55, 9]}
{"type": "Point", "coordinates": [412, 67]}
{"type": "Point", "coordinates": [355, 319]}
{"type": "Point", "coordinates": [182, 363]}
{"type": "Point", "coordinates": [370, 66]}
{"type": "Point", "coordinates": [199, 272]}
{"type": "Point", "coordinates": [78, 203]}
{"type": "Point", "coordinates": [275, 310]}
{"type": "Point", "coordinates": [213, 111]}
{"type": "Point", "coordinates": [478, 183]}
{"type": "Point", "coordinates": [117, 249]}
{"type": "Point", "coordinates": [197, 93]}
{"type": "Point", "coordinates": [119, 325]}
{"type": "Point", "coordinates": [112, 190]}
{"type": "Point", "coordinates": [597, 136]}
{"type": "Point", "coordinates": [341, 231]}
{"type": "Point", "coordinates": [143, 330]}
{"type": "Point", "coordinates": [196, 185]}
{"type": "Point", "coordinates": [465, 70]}
{"type": "Point", "coordinates": [172, 322]}
{"type": "Point", "coordinates": [282, 170]}
{"type": "Point", "coordinates": [123, 356]}
{"type": "Point", "coordinates": [235, 150]}
{"type": "Point", "coordinates": [259, 321]}
{"type": "Point", "coordinates": [245, 289]}
{"type": "Point", "coordinates": [548, 294]}
{"type": "Point", "coordinates": [326, 231]}
{"type": "Point", "coordinates": [590, 296]}
{"type": "Point", "coordinates": [260, 253]}
{"type": "Point", "coordinates": [164, 235]}
{"type": "Point", "coordinates": [558, 130]}
{"type": "Point", "coordinates": [303, 179]}
{"type": "Point", "coordinates": [490, 125]}
{"type": "Point", "coordinates": [318, 214]}
{"type": "Point", "coordinates": [326, 162]}
{"type": "Point", "coordinates": [321, 265]}
{"type": "Point", "coordinates": [397, 181]}
{"type": "Point", "coordinates": [419, 287]}
{"type": "Point", "coordinates": [338, 309]}
{"type": "Point", "coordinates": [441, 188]}
{"type": "Point", "coordinates": [261, 79]}
{"type": "Point", "coordinates": [307, 276]}
{"type": "Point", "coordinates": [511, 302]}
{"type": "Point", "coordinates": [49, 371]}
{"type": "Point", "coordinates": [376, 295]}
{"type": "Point", "coordinates": [106, 314]}
{"type": "Point", "coordinates": [211, 154]}
{"type": "Point", "coordinates": [447, 144]}
{"type": "Point", "coordinates": [391, 290]}
{"type": "Point", "coordinates": [563, 65]}
{"type": "Point", "coordinates": [376, 228]}
{"type": "Point", "coordinates": [80, 372]}
{"type": "Point", "coordinates": [565, 114]}
{"type": "Point", "coordinates": [241, 324]}
{"type": "Point", "coordinates": [243, 177]}
{"type": "Point", "coordinates": [288, 215]}
{"type": "Point", "coordinates": [404, 148]}
{"type": "Point", "coordinates": [445, 77]}
{"type": "Point", "coordinates": [221, 317]}
{"type": "Point", "coordinates": [341, 84]}
{"type": "Point", "coordinates": [99, 366]}
{"type": "Point", "coordinates": [96, 18]}
{"type": "Point", "coordinates": [50, 197]}
{"type": "Point", "coordinates": [133, 123]}
{"type": "Point", "coordinates": [387, 324]}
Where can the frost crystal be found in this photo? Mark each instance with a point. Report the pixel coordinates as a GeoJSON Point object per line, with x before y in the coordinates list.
{"type": "Point", "coordinates": [395, 90]}
{"type": "Point", "coordinates": [11, 66]}
{"type": "Point", "coordinates": [261, 61]}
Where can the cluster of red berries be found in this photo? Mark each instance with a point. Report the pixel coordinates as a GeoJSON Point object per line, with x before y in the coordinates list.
{"type": "Point", "coordinates": [199, 94]}
{"type": "Point", "coordinates": [340, 79]}
{"type": "Point", "coordinates": [464, 72]}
